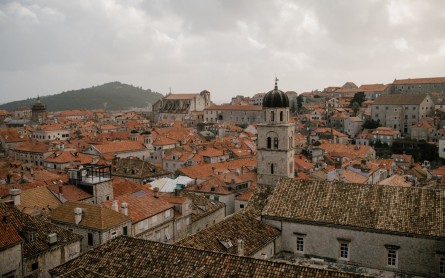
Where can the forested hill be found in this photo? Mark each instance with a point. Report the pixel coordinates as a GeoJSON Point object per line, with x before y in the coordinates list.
{"type": "Point", "coordinates": [110, 96]}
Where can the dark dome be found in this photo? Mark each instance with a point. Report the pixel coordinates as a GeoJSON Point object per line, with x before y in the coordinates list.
{"type": "Point", "coordinates": [275, 98]}
{"type": "Point", "coordinates": [146, 132]}
{"type": "Point", "coordinates": [134, 131]}
{"type": "Point", "coordinates": [38, 106]}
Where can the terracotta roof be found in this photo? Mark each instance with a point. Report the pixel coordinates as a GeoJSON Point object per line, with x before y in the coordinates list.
{"type": "Point", "coordinates": [12, 135]}
{"type": "Point", "coordinates": [131, 257]}
{"type": "Point", "coordinates": [93, 215]}
{"type": "Point", "coordinates": [23, 222]}
{"type": "Point", "coordinates": [399, 99]}
{"type": "Point", "coordinates": [205, 170]}
{"type": "Point", "coordinates": [181, 96]}
{"type": "Point", "coordinates": [71, 192]}
{"type": "Point", "coordinates": [235, 107]}
{"type": "Point", "coordinates": [240, 226]}
{"type": "Point", "coordinates": [8, 236]}
{"type": "Point", "coordinates": [33, 147]}
{"type": "Point", "coordinates": [37, 199]}
{"type": "Point", "coordinates": [119, 146]}
{"type": "Point", "coordinates": [136, 169]}
{"type": "Point", "coordinates": [414, 211]}
{"type": "Point", "coordinates": [201, 206]}
{"type": "Point", "coordinates": [141, 204]}
{"type": "Point", "coordinates": [373, 88]}
{"type": "Point", "coordinates": [409, 81]}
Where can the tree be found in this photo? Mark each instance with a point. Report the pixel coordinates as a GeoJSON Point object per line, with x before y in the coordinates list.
{"type": "Point", "coordinates": [299, 102]}
{"type": "Point", "coordinates": [371, 124]}
{"type": "Point", "coordinates": [359, 98]}
{"type": "Point", "coordinates": [355, 108]}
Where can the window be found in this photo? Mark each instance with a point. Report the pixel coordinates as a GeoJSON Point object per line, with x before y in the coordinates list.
{"type": "Point", "coordinates": [392, 257]}
{"type": "Point", "coordinates": [125, 230]}
{"type": "Point", "coordinates": [35, 266]}
{"type": "Point", "coordinates": [275, 143]}
{"type": "Point", "coordinates": [90, 239]}
{"type": "Point", "coordinates": [113, 234]}
{"type": "Point", "coordinates": [271, 169]}
{"type": "Point", "coordinates": [281, 116]}
{"type": "Point", "coordinates": [241, 206]}
{"type": "Point", "coordinates": [344, 250]}
{"type": "Point", "coordinates": [300, 244]}
{"type": "Point", "coordinates": [269, 142]}
{"type": "Point", "coordinates": [216, 198]}
{"type": "Point", "coordinates": [442, 266]}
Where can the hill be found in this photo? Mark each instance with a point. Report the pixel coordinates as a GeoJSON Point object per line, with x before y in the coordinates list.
{"type": "Point", "coordinates": [111, 96]}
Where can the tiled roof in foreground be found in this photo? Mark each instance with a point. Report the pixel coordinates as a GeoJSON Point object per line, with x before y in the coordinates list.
{"type": "Point", "coordinates": [131, 257]}
{"type": "Point", "coordinates": [411, 210]}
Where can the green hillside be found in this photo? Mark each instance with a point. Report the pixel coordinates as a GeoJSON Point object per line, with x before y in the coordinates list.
{"type": "Point", "coordinates": [111, 96]}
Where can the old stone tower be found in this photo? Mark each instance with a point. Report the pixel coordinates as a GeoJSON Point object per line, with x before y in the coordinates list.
{"type": "Point", "coordinates": [275, 139]}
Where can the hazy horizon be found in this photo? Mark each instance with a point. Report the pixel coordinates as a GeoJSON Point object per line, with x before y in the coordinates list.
{"type": "Point", "coordinates": [226, 47]}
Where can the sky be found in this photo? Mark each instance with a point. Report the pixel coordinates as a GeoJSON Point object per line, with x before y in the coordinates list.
{"type": "Point", "coordinates": [228, 47]}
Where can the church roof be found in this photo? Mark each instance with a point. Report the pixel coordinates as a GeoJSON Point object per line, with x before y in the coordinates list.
{"type": "Point", "coordinates": [275, 98]}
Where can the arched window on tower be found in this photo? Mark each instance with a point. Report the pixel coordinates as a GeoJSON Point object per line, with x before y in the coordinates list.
{"type": "Point", "coordinates": [281, 116]}
{"type": "Point", "coordinates": [269, 142]}
{"type": "Point", "coordinates": [272, 116]}
{"type": "Point", "coordinates": [272, 168]}
{"type": "Point", "coordinates": [275, 143]}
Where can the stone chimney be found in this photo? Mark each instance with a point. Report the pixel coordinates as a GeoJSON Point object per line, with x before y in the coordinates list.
{"type": "Point", "coordinates": [115, 206]}
{"type": "Point", "coordinates": [156, 192]}
{"type": "Point", "coordinates": [77, 215]}
{"type": "Point", "coordinates": [15, 195]}
{"type": "Point", "coordinates": [124, 207]}
{"type": "Point", "coordinates": [240, 249]}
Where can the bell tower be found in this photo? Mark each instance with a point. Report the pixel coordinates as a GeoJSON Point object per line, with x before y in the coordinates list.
{"type": "Point", "coordinates": [275, 153]}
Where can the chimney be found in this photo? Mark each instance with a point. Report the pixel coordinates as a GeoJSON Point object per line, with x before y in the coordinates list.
{"type": "Point", "coordinates": [240, 247]}
{"type": "Point", "coordinates": [52, 239]}
{"type": "Point", "coordinates": [15, 195]}
{"type": "Point", "coordinates": [60, 189]}
{"type": "Point", "coordinates": [115, 206]}
{"type": "Point", "coordinates": [156, 192]}
{"type": "Point", "coordinates": [177, 192]}
{"type": "Point", "coordinates": [124, 207]}
{"type": "Point", "coordinates": [77, 215]}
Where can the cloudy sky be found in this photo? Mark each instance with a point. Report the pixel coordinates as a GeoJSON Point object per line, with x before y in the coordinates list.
{"type": "Point", "coordinates": [228, 47]}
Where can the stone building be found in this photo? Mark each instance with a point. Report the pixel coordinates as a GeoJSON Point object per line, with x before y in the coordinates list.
{"type": "Point", "coordinates": [151, 217]}
{"type": "Point", "coordinates": [97, 224]}
{"type": "Point", "coordinates": [388, 228]}
{"type": "Point", "coordinates": [93, 179]}
{"type": "Point", "coordinates": [38, 112]}
{"type": "Point", "coordinates": [275, 154]}
{"type": "Point", "coordinates": [178, 107]}
{"type": "Point", "coordinates": [239, 114]}
{"type": "Point", "coordinates": [35, 246]}
{"type": "Point", "coordinates": [400, 111]}
{"type": "Point", "coordinates": [418, 86]}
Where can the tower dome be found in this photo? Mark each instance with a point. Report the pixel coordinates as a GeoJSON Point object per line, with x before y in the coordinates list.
{"type": "Point", "coordinates": [275, 98]}
{"type": "Point", "coordinates": [38, 106]}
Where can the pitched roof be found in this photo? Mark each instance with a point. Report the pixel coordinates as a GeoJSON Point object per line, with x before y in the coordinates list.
{"type": "Point", "coordinates": [131, 257]}
{"type": "Point", "coordinates": [141, 204]}
{"type": "Point", "coordinates": [119, 146]}
{"type": "Point", "coordinates": [93, 215]}
{"type": "Point", "coordinates": [415, 211]}
{"type": "Point", "coordinates": [37, 199]}
{"type": "Point", "coordinates": [23, 222]}
{"type": "Point", "coordinates": [409, 81]}
{"type": "Point", "coordinates": [240, 226]}
{"type": "Point", "coordinates": [373, 88]}
{"type": "Point", "coordinates": [207, 170]}
{"type": "Point", "coordinates": [235, 107]}
{"type": "Point", "coordinates": [400, 99]}
{"type": "Point", "coordinates": [8, 236]}
{"type": "Point", "coordinates": [181, 96]}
